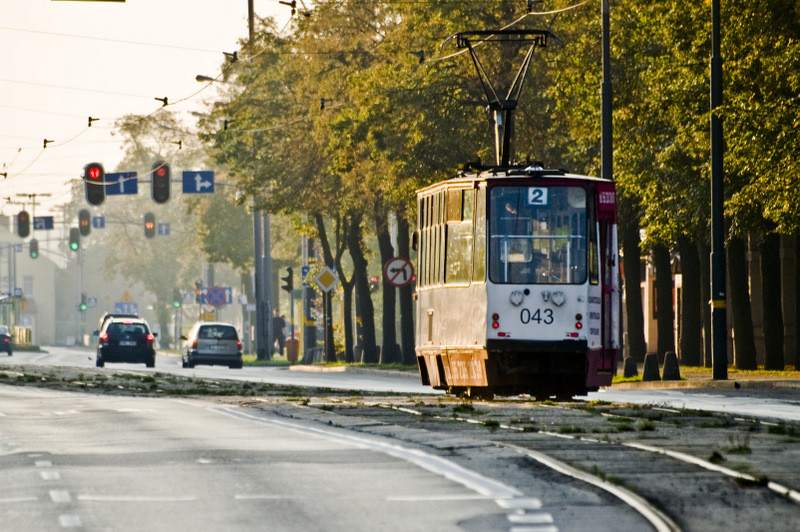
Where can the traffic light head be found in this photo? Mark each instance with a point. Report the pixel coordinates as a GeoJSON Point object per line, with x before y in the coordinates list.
{"type": "Point", "coordinates": [94, 178]}
{"type": "Point", "coordinates": [176, 298]}
{"type": "Point", "coordinates": [23, 224]}
{"type": "Point", "coordinates": [74, 239]}
{"type": "Point", "coordinates": [84, 222]}
{"type": "Point", "coordinates": [34, 248]}
{"type": "Point", "coordinates": [83, 304]}
{"type": "Point", "coordinates": [160, 187]}
{"type": "Point", "coordinates": [149, 225]}
{"type": "Point", "coordinates": [288, 280]}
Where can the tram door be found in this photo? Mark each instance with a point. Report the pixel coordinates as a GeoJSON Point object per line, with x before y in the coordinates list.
{"type": "Point", "coordinates": [609, 274]}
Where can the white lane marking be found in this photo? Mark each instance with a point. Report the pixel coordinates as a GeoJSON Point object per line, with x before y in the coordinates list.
{"type": "Point", "coordinates": [61, 496]}
{"type": "Point", "coordinates": [539, 518]}
{"type": "Point", "coordinates": [424, 498]}
{"type": "Point", "coordinates": [70, 521]}
{"type": "Point", "coordinates": [533, 529]}
{"type": "Point", "coordinates": [43, 463]}
{"type": "Point", "coordinates": [474, 481]}
{"type": "Point", "coordinates": [12, 500]}
{"type": "Point", "coordinates": [520, 503]}
{"type": "Point", "coordinates": [136, 498]}
{"type": "Point", "coordinates": [50, 475]}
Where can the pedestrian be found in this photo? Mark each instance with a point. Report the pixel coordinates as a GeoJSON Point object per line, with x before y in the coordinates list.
{"type": "Point", "coordinates": [279, 331]}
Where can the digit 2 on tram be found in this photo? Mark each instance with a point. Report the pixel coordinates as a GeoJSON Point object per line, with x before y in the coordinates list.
{"type": "Point", "coordinates": [518, 269]}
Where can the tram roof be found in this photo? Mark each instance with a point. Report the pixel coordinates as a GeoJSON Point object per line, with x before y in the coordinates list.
{"type": "Point", "coordinates": [504, 173]}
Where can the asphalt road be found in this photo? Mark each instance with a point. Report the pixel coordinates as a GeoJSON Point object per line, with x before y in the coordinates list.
{"type": "Point", "coordinates": [121, 463]}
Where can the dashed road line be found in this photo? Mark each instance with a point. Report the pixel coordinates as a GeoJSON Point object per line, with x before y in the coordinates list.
{"type": "Point", "coordinates": [60, 496]}
{"type": "Point", "coordinates": [70, 521]}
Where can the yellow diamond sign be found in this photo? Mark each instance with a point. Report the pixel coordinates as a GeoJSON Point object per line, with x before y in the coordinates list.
{"type": "Point", "coordinates": [326, 279]}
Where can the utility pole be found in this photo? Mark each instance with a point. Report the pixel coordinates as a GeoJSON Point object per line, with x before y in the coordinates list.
{"type": "Point", "coordinates": [607, 153]}
{"type": "Point", "coordinates": [719, 329]}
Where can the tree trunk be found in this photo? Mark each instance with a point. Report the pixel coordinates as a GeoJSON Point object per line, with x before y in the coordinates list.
{"type": "Point", "coordinates": [388, 349]}
{"type": "Point", "coordinates": [691, 326]}
{"type": "Point", "coordinates": [797, 302]}
{"type": "Point", "coordinates": [632, 263]}
{"type": "Point", "coordinates": [770, 250]}
{"type": "Point", "coordinates": [366, 311]}
{"type": "Point", "coordinates": [744, 344]}
{"type": "Point", "coordinates": [665, 314]}
{"type": "Point", "coordinates": [406, 296]}
{"type": "Point", "coordinates": [705, 287]}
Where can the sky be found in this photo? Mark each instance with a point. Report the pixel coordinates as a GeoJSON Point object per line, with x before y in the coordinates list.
{"type": "Point", "coordinates": [62, 61]}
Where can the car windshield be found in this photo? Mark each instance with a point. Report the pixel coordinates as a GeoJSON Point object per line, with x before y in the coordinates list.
{"type": "Point", "coordinates": [217, 332]}
{"type": "Point", "coordinates": [3, 329]}
{"type": "Point", "coordinates": [538, 234]}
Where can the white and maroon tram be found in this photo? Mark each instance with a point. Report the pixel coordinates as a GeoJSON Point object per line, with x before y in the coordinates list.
{"type": "Point", "coordinates": [517, 283]}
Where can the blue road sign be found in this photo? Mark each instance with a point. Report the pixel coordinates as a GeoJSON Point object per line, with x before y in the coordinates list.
{"type": "Point", "coordinates": [91, 302]}
{"type": "Point", "coordinates": [122, 307]}
{"type": "Point", "coordinates": [42, 222]}
{"type": "Point", "coordinates": [121, 183]}
{"type": "Point", "coordinates": [215, 296]}
{"type": "Point", "coordinates": [162, 229]}
{"type": "Point", "coordinates": [99, 222]}
{"type": "Point", "coordinates": [198, 182]}
{"type": "Point", "coordinates": [17, 248]}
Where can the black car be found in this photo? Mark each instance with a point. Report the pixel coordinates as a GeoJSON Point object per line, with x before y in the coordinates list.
{"type": "Point", "coordinates": [6, 343]}
{"type": "Point", "coordinates": [126, 340]}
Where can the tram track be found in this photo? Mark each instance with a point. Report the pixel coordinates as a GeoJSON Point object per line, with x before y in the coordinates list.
{"type": "Point", "coordinates": [649, 458]}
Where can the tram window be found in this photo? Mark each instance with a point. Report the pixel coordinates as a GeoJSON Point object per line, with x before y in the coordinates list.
{"type": "Point", "coordinates": [538, 234]}
{"type": "Point", "coordinates": [479, 259]}
{"type": "Point", "coordinates": [458, 267]}
{"type": "Point", "coordinates": [468, 198]}
{"type": "Point", "coordinates": [454, 200]}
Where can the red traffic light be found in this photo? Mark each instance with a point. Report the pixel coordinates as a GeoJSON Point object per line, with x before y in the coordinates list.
{"type": "Point", "coordinates": [95, 178]}
{"type": "Point", "coordinates": [161, 176]}
{"type": "Point", "coordinates": [23, 224]}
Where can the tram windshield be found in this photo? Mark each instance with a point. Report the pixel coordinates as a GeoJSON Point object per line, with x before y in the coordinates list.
{"type": "Point", "coordinates": [537, 235]}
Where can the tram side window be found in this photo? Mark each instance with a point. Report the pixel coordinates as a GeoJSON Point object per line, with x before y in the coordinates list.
{"type": "Point", "coordinates": [479, 259]}
{"type": "Point", "coordinates": [458, 259]}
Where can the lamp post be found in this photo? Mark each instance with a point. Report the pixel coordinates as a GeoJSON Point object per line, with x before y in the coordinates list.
{"type": "Point", "coordinates": [719, 330]}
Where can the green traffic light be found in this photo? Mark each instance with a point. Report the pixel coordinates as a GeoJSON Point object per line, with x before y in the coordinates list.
{"type": "Point", "coordinates": [83, 306]}
{"type": "Point", "coordinates": [176, 304]}
{"type": "Point", "coordinates": [73, 246]}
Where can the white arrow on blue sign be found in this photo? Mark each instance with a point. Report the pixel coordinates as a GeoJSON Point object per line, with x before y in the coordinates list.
{"type": "Point", "coordinates": [121, 183]}
{"type": "Point", "coordinates": [162, 229]}
{"type": "Point", "coordinates": [198, 182]}
{"type": "Point", "coordinates": [98, 222]}
{"type": "Point", "coordinates": [42, 222]}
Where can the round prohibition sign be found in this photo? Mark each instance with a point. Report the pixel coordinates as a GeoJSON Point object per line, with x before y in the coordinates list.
{"type": "Point", "coordinates": [215, 296]}
{"type": "Point", "coordinates": [398, 272]}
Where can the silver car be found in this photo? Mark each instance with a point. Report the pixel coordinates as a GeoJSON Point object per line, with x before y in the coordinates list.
{"type": "Point", "coordinates": [213, 343]}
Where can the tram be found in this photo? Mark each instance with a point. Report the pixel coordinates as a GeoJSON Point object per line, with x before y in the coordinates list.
{"type": "Point", "coordinates": [517, 283]}
{"type": "Point", "coordinates": [518, 266]}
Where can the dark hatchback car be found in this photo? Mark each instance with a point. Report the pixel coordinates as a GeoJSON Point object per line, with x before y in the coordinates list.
{"type": "Point", "coordinates": [212, 343]}
{"type": "Point", "coordinates": [126, 340]}
{"type": "Point", "coordinates": [6, 342]}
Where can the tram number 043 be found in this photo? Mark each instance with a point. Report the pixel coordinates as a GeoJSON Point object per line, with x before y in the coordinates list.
{"type": "Point", "coordinates": [538, 316]}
